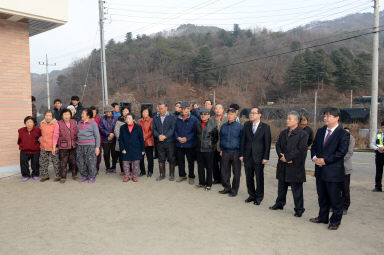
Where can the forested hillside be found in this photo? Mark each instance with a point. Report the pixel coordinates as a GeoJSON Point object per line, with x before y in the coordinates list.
{"type": "Point", "coordinates": [243, 66]}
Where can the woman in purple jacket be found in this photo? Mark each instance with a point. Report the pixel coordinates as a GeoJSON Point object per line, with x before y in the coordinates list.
{"type": "Point", "coordinates": [107, 127]}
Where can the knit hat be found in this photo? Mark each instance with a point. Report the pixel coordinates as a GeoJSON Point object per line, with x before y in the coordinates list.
{"type": "Point", "coordinates": [70, 107]}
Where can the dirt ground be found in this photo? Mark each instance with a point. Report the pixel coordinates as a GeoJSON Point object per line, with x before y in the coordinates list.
{"type": "Point", "coordinates": [149, 217]}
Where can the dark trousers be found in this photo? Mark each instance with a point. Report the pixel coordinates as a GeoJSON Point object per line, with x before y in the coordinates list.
{"type": "Point", "coordinates": [297, 192]}
{"type": "Point", "coordinates": [230, 160]}
{"type": "Point", "coordinates": [345, 192]}
{"type": "Point", "coordinates": [166, 152]}
{"type": "Point", "coordinates": [329, 196]}
{"type": "Point", "coordinates": [99, 159]}
{"type": "Point", "coordinates": [217, 166]}
{"type": "Point", "coordinates": [379, 159]}
{"type": "Point", "coordinates": [118, 155]}
{"type": "Point", "coordinates": [205, 167]}
{"type": "Point", "coordinates": [68, 157]}
{"type": "Point", "coordinates": [24, 164]}
{"type": "Point", "coordinates": [109, 151]}
{"type": "Point", "coordinates": [156, 147]}
{"type": "Point", "coordinates": [180, 155]}
{"type": "Point", "coordinates": [149, 154]}
{"type": "Point", "coordinates": [252, 169]}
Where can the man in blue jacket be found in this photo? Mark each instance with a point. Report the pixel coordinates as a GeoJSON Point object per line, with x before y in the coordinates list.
{"type": "Point", "coordinates": [107, 128]}
{"type": "Point", "coordinates": [185, 143]}
{"type": "Point", "coordinates": [328, 151]}
{"type": "Point", "coordinates": [163, 128]}
{"type": "Point", "coordinates": [230, 140]}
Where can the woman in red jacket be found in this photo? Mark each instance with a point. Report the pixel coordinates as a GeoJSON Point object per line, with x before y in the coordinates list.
{"type": "Point", "coordinates": [29, 146]}
{"type": "Point", "coordinates": [146, 123]}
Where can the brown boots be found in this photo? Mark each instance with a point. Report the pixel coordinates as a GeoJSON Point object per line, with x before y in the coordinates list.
{"type": "Point", "coordinates": [162, 172]}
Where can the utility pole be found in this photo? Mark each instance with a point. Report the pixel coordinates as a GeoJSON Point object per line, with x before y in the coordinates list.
{"type": "Point", "coordinates": [375, 76]}
{"type": "Point", "coordinates": [351, 97]}
{"type": "Point", "coordinates": [214, 97]}
{"type": "Point", "coordinates": [315, 113]}
{"type": "Point", "coordinates": [102, 55]}
{"type": "Point", "coordinates": [46, 63]}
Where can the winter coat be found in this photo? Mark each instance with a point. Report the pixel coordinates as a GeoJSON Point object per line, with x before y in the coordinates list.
{"type": "Point", "coordinates": [107, 127]}
{"type": "Point", "coordinates": [166, 128]}
{"type": "Point", "coordinates": [294, 149]}
{"type": "Point", "coordinates": [186, 128]}
{"type": "Point", "coordinates": [118, 125]}
{"type": "Point", "coordinates": [348, 156]}
{"type": "Point", "coordinates": [67, 136]}
{"type": "Point", "coordinates": [206, 139]}
{"type": "Point", "coordinates": [146, 125]}
{"type": "Point", "coordinates": [230, 136]}
{"type": "Point", "coordinates": [219, 122]}
{"type": "Point", "coordinates": [131, 142]}
{"type": "Point", "coordinates": [29, 141]}
{"type": "Point", "coordinates": [47, 129]}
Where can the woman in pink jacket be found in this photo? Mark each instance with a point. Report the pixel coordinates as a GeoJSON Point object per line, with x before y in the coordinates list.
{"type": "Point", "coordinates": [47, 127]}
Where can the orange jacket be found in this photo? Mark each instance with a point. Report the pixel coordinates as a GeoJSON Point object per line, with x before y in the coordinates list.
{"type": "Point", "coordinates": [146, 125]}
{"type": "Point", "coordinates": [46, 140]}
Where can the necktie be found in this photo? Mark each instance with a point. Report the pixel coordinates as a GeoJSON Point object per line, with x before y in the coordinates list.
{"type": "Point", "coordinates": [327, 137]}
{"type": "Point", "coordinates": [254, 128]}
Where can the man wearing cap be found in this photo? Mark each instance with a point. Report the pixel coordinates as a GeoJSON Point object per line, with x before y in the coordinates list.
{"type": "Point", "coordinates": [230, 141]}
{"type": "Point", "coordinates": [206, 139]}
{"type": "Point", "coordinates": [78, 107]}
{"type": "Point", "coordinates": [107, 127]}
{"type": "Point", "coordinates": [378, 146]}
{"type": "Point", "coordinates": [185, 143]}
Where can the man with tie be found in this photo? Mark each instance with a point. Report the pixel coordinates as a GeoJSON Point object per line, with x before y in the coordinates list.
{"type": "Point", "coordinates": [255, 147]}
{"type": "Point", "coordinates": [291, 149]}
{"type": "Point", "coordinates": [328, 151]}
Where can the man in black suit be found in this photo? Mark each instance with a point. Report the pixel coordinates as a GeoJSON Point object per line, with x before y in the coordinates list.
{"type": "Point", "coordinates": [255, 147]}
{"type": "Point", "coordinates": [328, 151]}
{"type": "Point", "coordinates": [291, 148]}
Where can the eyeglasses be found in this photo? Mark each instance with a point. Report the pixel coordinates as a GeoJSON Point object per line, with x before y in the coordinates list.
{"type": "Point", "coordinates": [204, 113]}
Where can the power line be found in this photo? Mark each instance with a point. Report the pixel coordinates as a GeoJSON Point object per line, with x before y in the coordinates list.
{"type": "Point", "coordinates": [268, 56]}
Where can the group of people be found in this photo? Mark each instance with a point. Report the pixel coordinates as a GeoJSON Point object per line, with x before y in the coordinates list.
{"type": "Point", "coordinates": [74, 137]}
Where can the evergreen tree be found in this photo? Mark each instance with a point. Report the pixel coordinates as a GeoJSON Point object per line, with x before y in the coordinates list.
{"type": "Point", "coordinates": [202, 64]}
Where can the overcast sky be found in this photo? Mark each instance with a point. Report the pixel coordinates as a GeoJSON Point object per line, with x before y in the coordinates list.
{"type": "Point", "coordinates": [80, 34]}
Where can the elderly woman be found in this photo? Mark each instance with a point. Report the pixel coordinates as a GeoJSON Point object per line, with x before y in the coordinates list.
{"type": "Point", "coordinates": [72, 109]}
{"type": "Point", "coordinates": [65, 137]}
{"type": "Point", "coordinates": [47, 127]}
{"type": "Point", "coordinates": [29, 146]}
{"type": "Point", "coordinates": [88, 146]}
{"type": "Point", "coordinates": [95, 112]}
{"type": "Point", "coordinates": [120, 121]}
{"type": "Point", "coordinates": [131, 147]}
{"type": "Point", "coordinates": [146, 124]}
